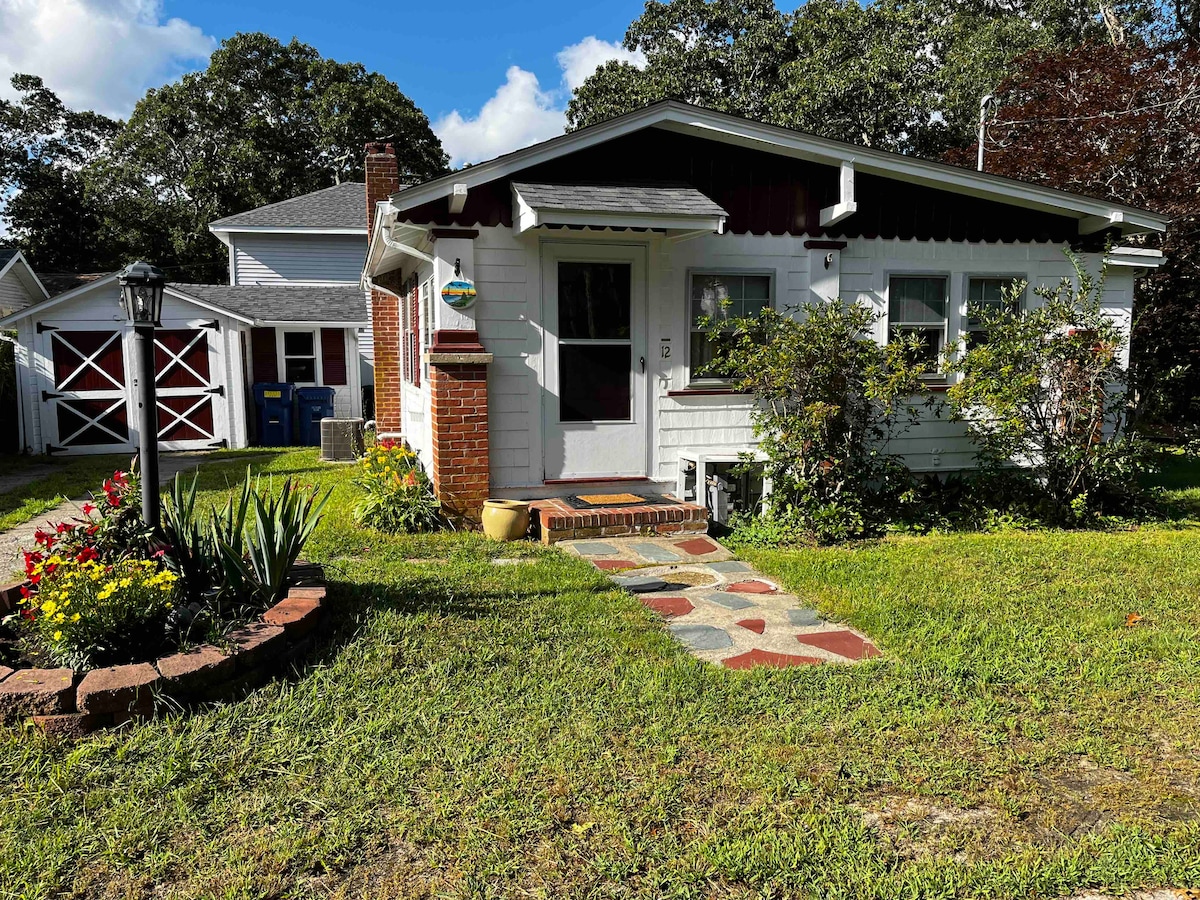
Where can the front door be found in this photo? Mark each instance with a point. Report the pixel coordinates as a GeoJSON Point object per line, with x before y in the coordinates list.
{"type": "Point", "coordinates": [594, 380]}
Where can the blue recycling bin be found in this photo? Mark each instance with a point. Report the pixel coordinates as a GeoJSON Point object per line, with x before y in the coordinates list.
{"type": "Point", "coordinates": [312, 405]}
{"type": "Point", "coordinates": [273, 401]}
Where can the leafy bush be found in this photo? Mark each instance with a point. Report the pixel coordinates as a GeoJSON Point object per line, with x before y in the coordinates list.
{"type": "Point", "coordinates": [398, 497]}
{"type": "Point", "coordinates": [111, 527]}
{"type": "Point", "coordinates": [828, 397]}
{"type": "Point", "coordinates": [85, 614]}
{"type": "Point", "coordinates": [282, 525]}
{"type": "Point", "coordinates": [1046, 391]}
{"type": "Point", "coordinates": [227, 561]}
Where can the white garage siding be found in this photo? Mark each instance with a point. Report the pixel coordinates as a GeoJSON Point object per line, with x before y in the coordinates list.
{"type": "Point", "coordinates": [297, 258]}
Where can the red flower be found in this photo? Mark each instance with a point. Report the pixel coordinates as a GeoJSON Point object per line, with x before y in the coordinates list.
{"type": "Point", "coordinates": [121, 479]}
{"type": "Point", "coordinates": [28, 614]}
{"type": "Point", "coordinates": [114, 500]}
{"type": "Point", "coordinates": [88, 509]}
{"type": "Point", "coordinates": [26, 593]}
{"type": "Point", "coordinates": [61, 527]}
{"type": "Point", "coordinates": [87, 554]}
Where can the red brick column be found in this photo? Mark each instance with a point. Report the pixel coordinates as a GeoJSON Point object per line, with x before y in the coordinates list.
{"type": "Point", "coordinates": [459, 416]}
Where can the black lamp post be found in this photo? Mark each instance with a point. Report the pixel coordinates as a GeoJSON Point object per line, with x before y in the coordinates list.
{"type": "Point", "coordinates": [141, 297]}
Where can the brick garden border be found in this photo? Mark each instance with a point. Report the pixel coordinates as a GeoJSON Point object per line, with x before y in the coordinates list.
{"type": "Point", "coordinates": [64, 704]}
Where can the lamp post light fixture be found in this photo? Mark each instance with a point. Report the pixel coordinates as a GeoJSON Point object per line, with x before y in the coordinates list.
{"type": "Point", "coordinates": [141, 298]}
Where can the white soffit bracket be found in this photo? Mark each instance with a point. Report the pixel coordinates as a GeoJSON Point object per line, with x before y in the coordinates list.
{"type": "Point", "coordinates": [847, 205]}
{"type": "Point", "coordinates": [458, 199]}
{"type": "Point", "coordinates": [1092, 224]}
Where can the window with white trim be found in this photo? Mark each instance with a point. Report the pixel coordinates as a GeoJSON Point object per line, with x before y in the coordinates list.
{"type": "Point", "coordinates": [988, 295]}
{"type": "Point", "coordinates": [299, 357]}
{"type": "Point", "coordinates": [426, 322]}
{"type": "Point", "coordinates": [720, 296]}
{"type": "Point", "coordinates": [917, 305]}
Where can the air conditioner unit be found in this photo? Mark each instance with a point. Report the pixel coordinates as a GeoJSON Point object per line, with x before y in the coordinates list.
{"type": "Point", "coordinates": [341, 439]}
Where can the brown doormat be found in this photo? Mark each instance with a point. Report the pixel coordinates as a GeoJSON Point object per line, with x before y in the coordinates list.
{"type": "Point", "coordinates": [608, 501]}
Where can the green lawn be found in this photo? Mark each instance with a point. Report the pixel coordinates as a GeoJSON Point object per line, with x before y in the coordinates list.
{"type": "Point", "coordinates": [478, 730]}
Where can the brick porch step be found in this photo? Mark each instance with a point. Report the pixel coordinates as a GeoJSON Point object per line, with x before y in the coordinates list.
{"type": "Point", "coordinates": [554, 520]}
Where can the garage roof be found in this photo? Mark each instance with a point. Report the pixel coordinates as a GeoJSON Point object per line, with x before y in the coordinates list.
{"type": "Point", "coordinates": [331, 304]}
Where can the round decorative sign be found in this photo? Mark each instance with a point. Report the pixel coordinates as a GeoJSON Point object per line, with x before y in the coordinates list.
{"type": "Point", "coordinates": [459, 293]}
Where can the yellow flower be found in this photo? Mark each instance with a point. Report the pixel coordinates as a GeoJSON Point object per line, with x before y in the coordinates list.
{"type": "Point", "coordinates": [58, 635]}
{"type": "Point", "coordinates": [49, 607]}
{"type": "Point", "coordinates": [75, 618]}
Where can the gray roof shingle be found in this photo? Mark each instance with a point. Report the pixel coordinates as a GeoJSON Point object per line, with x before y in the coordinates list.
{"type": "Point", "coordinates": [341, 206]}
{"type": "Point", "coordinates": [674, 199]}
{"type": "Point", "coordinates": [284, 303]}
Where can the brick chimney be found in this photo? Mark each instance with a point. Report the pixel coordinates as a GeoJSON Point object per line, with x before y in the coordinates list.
{"type": "Point", "coordinates": [383, 180]}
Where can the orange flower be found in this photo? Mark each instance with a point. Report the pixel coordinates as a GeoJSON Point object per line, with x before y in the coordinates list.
{"type": "Point", "coordinates": [410, 479]}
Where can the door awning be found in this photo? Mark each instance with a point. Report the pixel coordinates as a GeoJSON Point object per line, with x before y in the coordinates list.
{"type": "Point", "coordinates": [675, 207]}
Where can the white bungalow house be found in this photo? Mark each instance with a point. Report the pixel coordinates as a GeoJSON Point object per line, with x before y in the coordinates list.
{"type": "Point", "coordinates": [576, 368]}
{"type": "Point", "coordinates": [292, 312]}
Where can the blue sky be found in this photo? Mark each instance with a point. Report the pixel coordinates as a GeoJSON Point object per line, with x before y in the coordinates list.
{"type": "Point", "coordinates": [491, 76]}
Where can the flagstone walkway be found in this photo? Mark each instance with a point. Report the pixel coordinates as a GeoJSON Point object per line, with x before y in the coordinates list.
{"type": "Point", "coordinates": [720, 608]}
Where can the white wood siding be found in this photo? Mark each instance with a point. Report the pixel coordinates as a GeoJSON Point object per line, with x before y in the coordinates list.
{"type": "Point", "coordinates": [297, 258]}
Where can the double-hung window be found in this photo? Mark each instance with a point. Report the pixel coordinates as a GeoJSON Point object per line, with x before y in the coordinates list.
{"type": "Point", "coordinates": [720, 296]}
{"type": "Point", "coordinates": [917, 306]}
{"type": "Point", "coordinates": [986, 297]}
{"type": "Point", "coordinates": [299, 357]}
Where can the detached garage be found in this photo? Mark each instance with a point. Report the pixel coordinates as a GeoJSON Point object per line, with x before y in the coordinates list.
{"type": "Point", "coordinates": [75, 364]}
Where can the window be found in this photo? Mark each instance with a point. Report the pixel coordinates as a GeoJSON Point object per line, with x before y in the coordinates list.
{"type": "Point", "coordinates": [917, 305]}
{"type": "Point", "coordinates": [721, 296]}
{"type": "Point", "coordinates": [299, 357]}
{"type": "Point", "coordinates": [985, 298]}
{"type": "Point", "coordinates": [426, 328]}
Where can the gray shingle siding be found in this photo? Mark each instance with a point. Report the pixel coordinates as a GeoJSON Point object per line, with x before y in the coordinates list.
{"type": "Point", "coordinates": [284, 303]}
{"type": "Point", "coordinates": [652, 199]}
{"type": "Point", "coordinates": [340, 206]}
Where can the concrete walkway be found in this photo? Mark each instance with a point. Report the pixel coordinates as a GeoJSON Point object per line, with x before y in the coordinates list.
{"type": "Point", "coordinates": [720, 608]}
{"type": "Point", "coordinates": [20, 538]}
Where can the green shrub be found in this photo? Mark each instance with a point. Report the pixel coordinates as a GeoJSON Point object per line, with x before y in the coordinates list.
{"type": "Point", "coordinates": [1046, 392]}
{"type": "Point", "coordinates": [828, 397]}
{"type": "Point", "coordinates": [397, 495]}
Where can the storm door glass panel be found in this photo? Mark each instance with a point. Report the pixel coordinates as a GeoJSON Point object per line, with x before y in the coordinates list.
{"type": "Point", "coordinates": [595, 352]}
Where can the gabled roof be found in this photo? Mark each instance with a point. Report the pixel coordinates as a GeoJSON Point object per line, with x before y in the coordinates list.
{"type": "Point", "coordinates": [60, 282]}
{"type": "Point", "coordinates": [13, 260]}
{"type": "Point", "coordinates": [337, 209]}
{"type": "Point", "coordinates": [269, 304]}
{"type": "Point", "coordinates": [43, 305]}
{"type": "Point", "coordinates": [673, 115]}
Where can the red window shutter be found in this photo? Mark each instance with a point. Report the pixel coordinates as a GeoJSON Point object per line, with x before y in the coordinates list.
{"type": "Point", "coordinates": [416, 338]}
{"type": "Point", "coordinates": [333, 356]}
{"type": "Point", "coordinates": [264, 364]}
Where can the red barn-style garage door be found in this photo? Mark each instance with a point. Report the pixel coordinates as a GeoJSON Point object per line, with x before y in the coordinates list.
{"type": "Point", "coordinates": [89, 409]}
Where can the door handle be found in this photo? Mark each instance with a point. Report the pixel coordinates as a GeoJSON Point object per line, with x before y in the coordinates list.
{"type": "Point", "coordinates": [643, 362]}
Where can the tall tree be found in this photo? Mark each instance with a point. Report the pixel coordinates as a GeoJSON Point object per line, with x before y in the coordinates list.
{"type": "Point", "coordinates": [264, 122]}
{"type": "Point", "coordinates": [44, 148]}
{"type": "Point", "coordinates": [1122, 123]}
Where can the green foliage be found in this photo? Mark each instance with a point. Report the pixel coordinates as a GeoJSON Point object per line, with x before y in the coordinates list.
{"type": "Point", "coordinates": [1046, 390]}
{"type": "Point", "coordinates": [282, 524]}
{"type": "Point", "coordinates": [827, 396]}
{"type": "Point", "coordinates": [397, 495]}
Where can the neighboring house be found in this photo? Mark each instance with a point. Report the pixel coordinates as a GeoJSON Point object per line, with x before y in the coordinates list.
{"type": "Point", "coordinates": [293, 312]}
{"type": "Point", "coordinates": [593, 254]}
{"type": "Point", "coordinates": [19, 286]}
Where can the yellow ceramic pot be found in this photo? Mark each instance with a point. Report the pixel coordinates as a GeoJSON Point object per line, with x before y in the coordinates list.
{"type": "Point", "coordinates": [505, 520]}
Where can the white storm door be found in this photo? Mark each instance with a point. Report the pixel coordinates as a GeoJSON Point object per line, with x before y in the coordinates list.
{"type": "Point", "coordinates": [594, 408]}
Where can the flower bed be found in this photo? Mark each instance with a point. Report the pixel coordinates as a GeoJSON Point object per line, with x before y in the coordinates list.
{"type": "Point", "coordinates": [116, 617]}
{"type": "Point", "coordinates": [68, 704]}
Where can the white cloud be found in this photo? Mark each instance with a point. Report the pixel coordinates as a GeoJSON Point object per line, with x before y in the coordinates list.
{"type": "Point", "coordinates": [521, 113]}
{"type": "Point", "coordinates": [578, 61]}
{"type": "Point", "coordinates": [97, 54]}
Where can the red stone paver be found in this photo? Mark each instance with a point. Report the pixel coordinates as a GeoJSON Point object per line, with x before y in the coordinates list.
{"type": "Point", "coordinates": [67, 725]}
{"type": "Point", "coordinates": [29, 692]}
{"type": "Point", "coordinates": [751, 587]}
{"type": "Point", "coordinates": [201, 667]}
{"type": "Point", "coordinates": [697, 546]}
{"type": "Point", "coordinates": [254, 642]}
{"type": "Point", "coordinates": [756, 657]}
{"type": "Point", "coordinates": [610, 564]}
{"type": "Point", "coordinates": [117, 689]}
{"type": "Point", "coordinates": [843, 643]}
{"type": "Point", "coordinates": [669, 607]}
{"type": "Point", "coordinates": [295, 615]}
{"type": "Point", "coordinates": [758, 626]}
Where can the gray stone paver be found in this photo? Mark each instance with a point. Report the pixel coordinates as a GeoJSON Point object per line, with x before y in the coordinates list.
{"type": "Point", "coordinates": [595, 548]}
{"type": "Point", "coordinates": [710, 629]}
